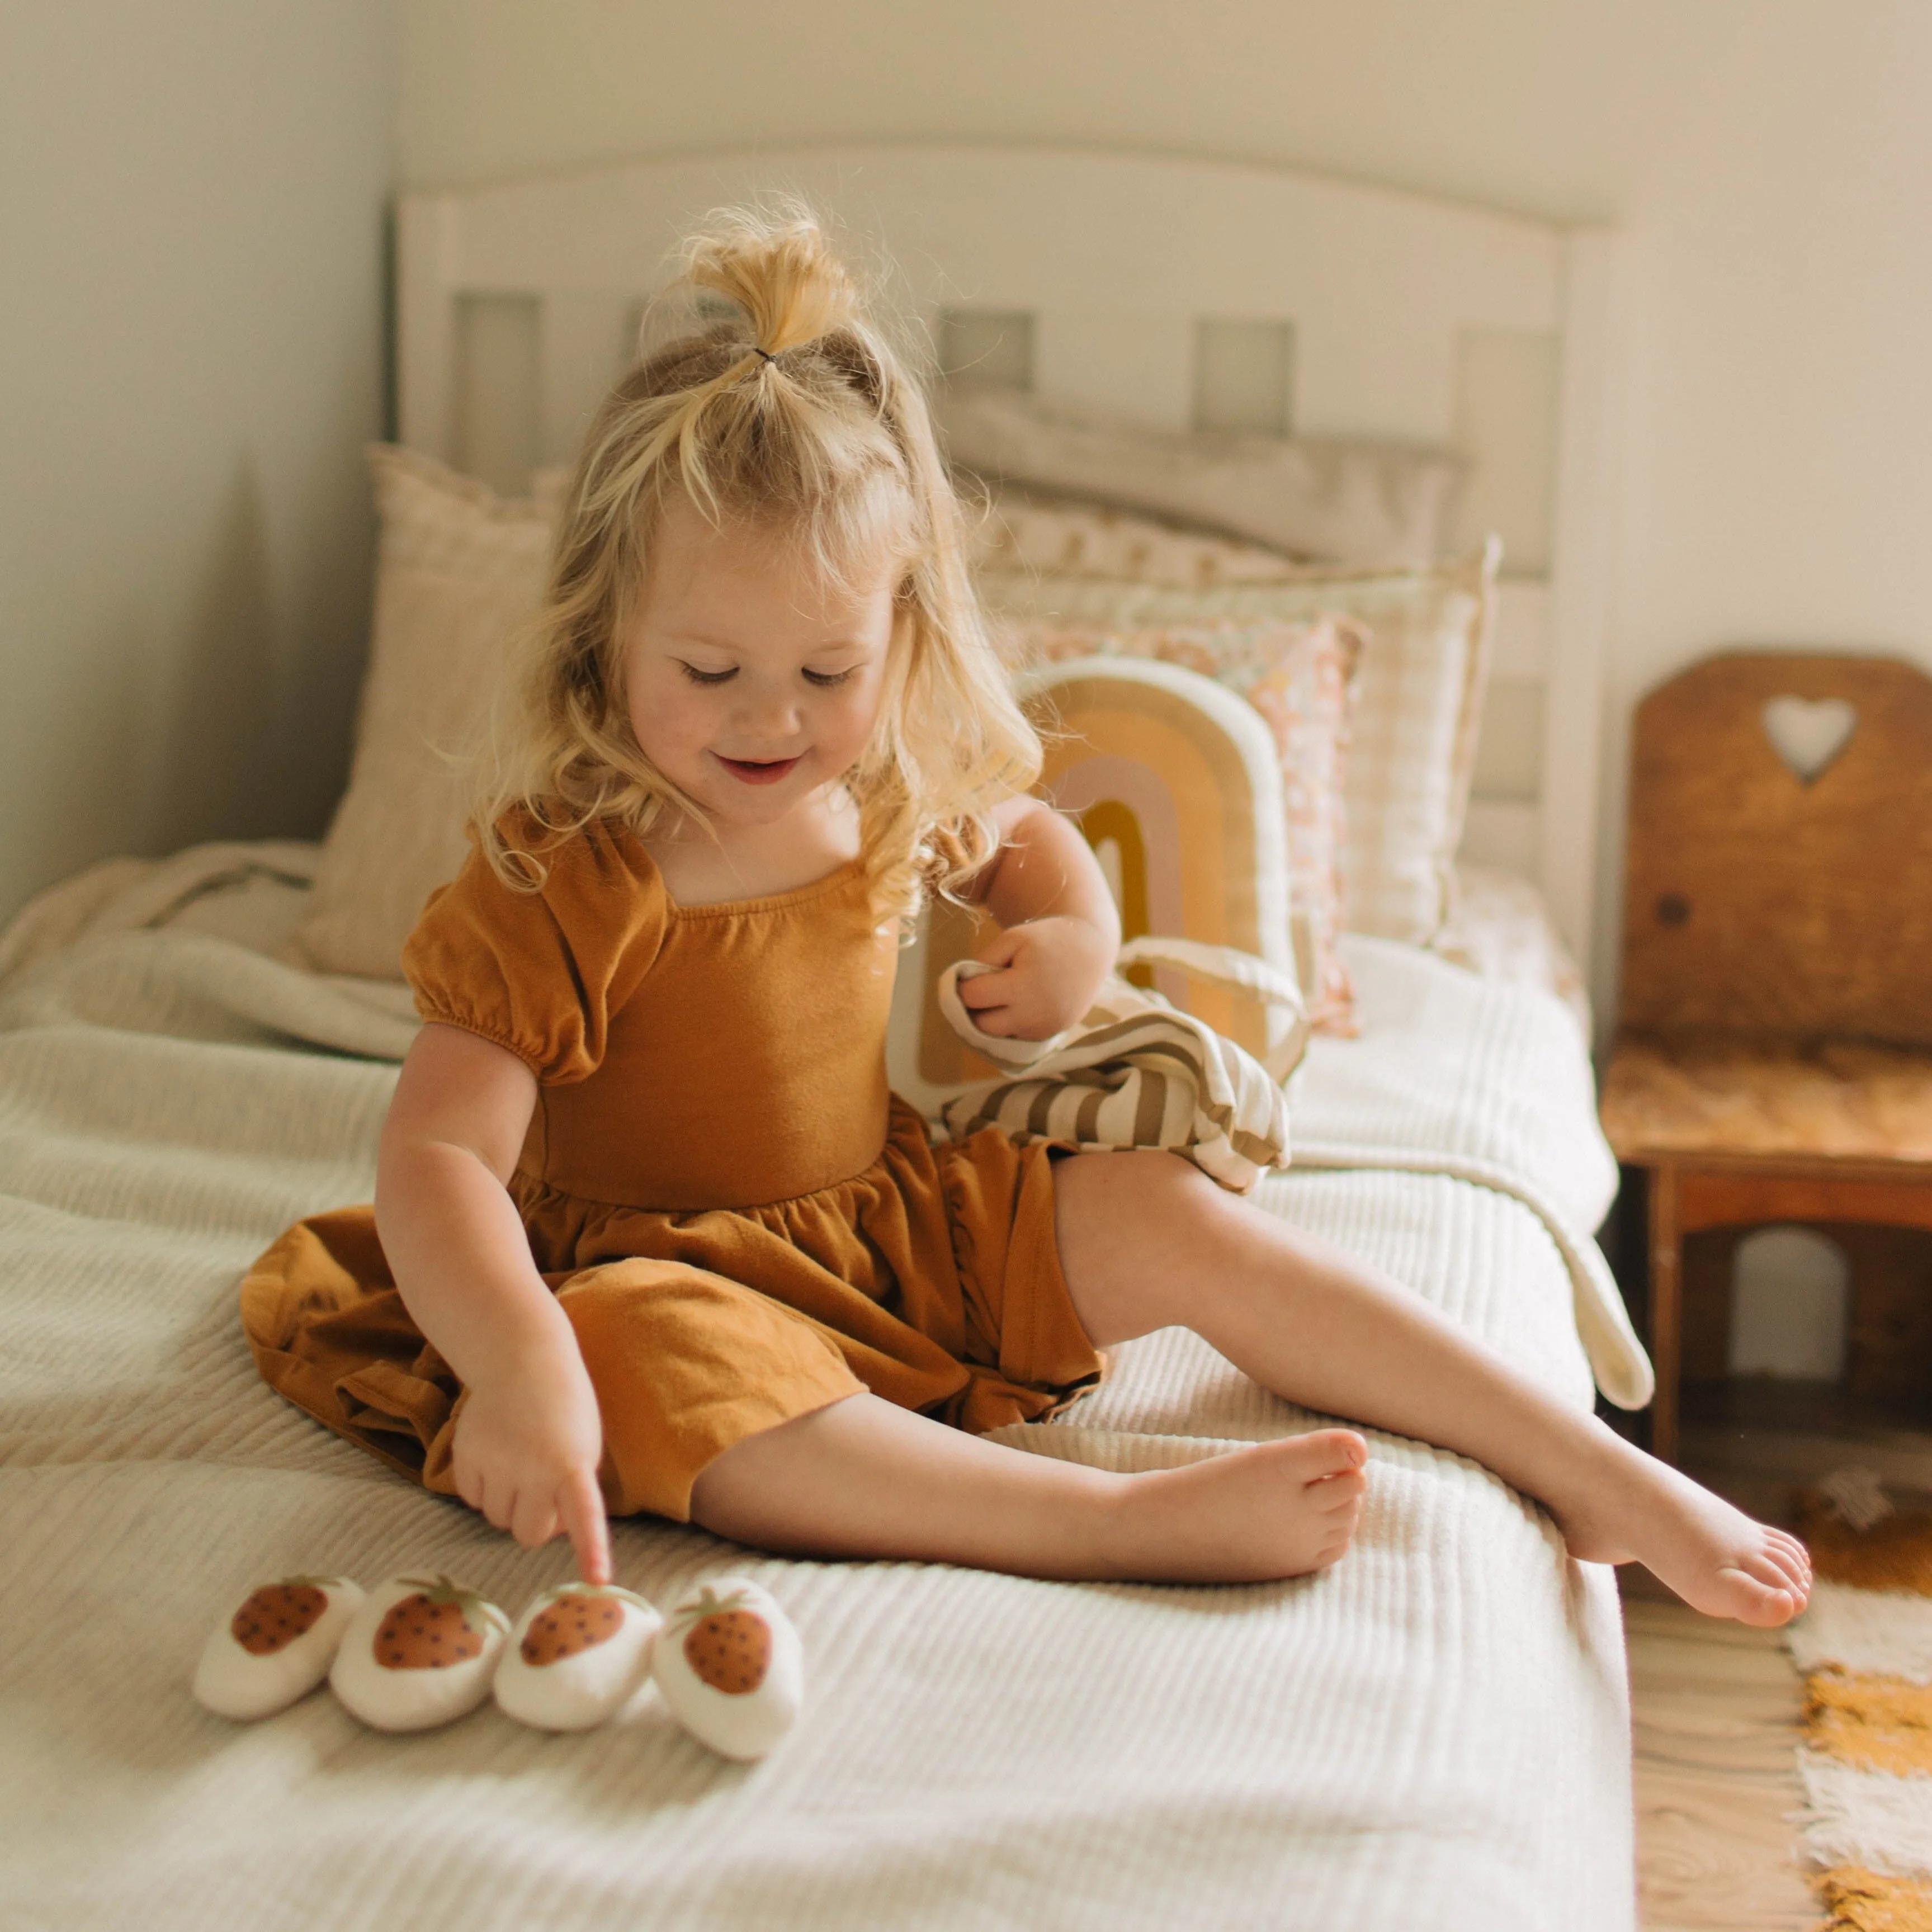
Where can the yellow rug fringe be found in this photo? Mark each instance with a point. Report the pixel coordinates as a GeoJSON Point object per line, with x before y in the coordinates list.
{"type": "Point", "coordinates": [1894, 1555]}
{"type": "Point", "coordinates": [1863, 1901]}
{"type": "Point", "coordinates": [1872, 1723]}
{"type": "Point", "coordinates": [1876, 1723]}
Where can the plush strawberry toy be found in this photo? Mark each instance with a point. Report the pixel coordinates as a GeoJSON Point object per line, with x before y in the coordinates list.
{"type": "Point", "coordinates": [575, 1657]}
{"type": "Point", "coordinates": [731, 1668]}
{"type": "Point", "coordinates": [419, 1652]}
{"type": "Point", "coordinates": [276, 1648]}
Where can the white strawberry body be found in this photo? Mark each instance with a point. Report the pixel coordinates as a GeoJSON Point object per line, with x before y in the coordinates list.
{"type": "Point", "coordinates": [276, 1647]}
{"type": "Point", "coordinates": [575, 1657]}
{"type": "Point", "coordinates": [731, 1667]}
{"type": "Point", "coordinates": [420, 1652]}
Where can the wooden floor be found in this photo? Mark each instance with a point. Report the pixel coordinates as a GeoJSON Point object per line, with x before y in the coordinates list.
{"type": "Point", "coordinates": [1714, 1718]}
{"type": "Point", "coordinates": [1715, 1706]}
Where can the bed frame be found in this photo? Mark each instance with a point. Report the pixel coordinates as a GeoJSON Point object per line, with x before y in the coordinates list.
{"type": "Point", "coordinates": [1173, 292]}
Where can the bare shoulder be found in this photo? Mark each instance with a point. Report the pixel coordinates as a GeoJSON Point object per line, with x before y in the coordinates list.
{"type": "Point", "coordinates": [1011, 818]}
{"type": "Point", "coordinates": [1010, 813]}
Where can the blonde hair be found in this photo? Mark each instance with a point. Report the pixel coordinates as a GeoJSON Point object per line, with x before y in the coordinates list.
{"type": "Point", "coordinates": [789, 409]}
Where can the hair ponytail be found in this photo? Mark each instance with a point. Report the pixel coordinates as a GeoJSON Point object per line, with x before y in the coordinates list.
{"type": "Point", "coordinates": [790, 287]}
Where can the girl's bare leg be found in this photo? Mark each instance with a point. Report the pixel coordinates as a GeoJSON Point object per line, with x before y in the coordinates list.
{"type": "Point", "coordinates": [1147, 1241]}
{"type": "Point", "coordinates": [863, 1477]}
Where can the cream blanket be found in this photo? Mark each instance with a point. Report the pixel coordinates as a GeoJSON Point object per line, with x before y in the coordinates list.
{"type": "Point", "coordinates": [1433, 1733]}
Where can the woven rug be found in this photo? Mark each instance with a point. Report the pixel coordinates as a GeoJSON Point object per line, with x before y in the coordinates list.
{"type": "Point", "coordinates": [1865, 1648]}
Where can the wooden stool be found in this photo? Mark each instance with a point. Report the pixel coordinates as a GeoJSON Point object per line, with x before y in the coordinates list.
{"type": "Point", "coordinates": [1774, 1055]}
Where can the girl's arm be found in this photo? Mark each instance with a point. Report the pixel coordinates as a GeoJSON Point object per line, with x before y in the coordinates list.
{"type": "Point", "coordinates": [1060, 928]}
{"type": "Point", "coordinates": [529, 1439]}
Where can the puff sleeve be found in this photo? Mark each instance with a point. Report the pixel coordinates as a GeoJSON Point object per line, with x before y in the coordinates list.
{"type": "Point", "coordinates": [540, 974]}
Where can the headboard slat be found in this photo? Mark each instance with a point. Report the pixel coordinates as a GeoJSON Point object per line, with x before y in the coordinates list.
{"type": "Point", "coordinates": [587, 340]}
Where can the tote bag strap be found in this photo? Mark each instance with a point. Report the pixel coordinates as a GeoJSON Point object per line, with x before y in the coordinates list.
{"type": "Point", "coordinates": [1221, 965]}
{"type": "Point", "coordinates": [1227, 966]}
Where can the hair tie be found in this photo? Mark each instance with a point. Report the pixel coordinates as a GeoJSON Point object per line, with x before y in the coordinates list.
{"type": "Point", "coordinates": [765, 352]}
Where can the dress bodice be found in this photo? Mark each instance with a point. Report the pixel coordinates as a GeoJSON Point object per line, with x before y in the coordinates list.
{"type": "Point", "coordinates": [687, 1058]}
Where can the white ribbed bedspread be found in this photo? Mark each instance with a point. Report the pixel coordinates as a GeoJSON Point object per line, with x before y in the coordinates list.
{"type": "Point", "coordinates": [1432, 1735]}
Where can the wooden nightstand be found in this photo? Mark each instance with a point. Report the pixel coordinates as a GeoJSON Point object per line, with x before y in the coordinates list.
{"type": "Point", "coordinates": [1773, 1057]}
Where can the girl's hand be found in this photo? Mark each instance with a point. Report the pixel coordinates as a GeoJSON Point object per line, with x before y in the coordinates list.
{"type": "Point", "coordinates": [525, 1453]}
{"type": "Point", "coordinates": [1050, 971]}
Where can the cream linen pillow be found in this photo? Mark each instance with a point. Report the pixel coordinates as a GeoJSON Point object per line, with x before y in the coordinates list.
{"type": "Point", "coordinates": [457, 568]}
{"type": "Point", "coordinates": [1323, 497]}
{"type": "Point", "coordinates": [1418, 701]}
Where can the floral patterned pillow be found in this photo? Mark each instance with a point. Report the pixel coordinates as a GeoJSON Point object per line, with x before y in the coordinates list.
{"type": "Point", "coordinates": [1416, 703]}
{"type": "Point", "coordinates": [1018, 532]}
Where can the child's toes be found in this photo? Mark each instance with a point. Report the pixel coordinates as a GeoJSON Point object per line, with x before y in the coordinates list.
{"type": "Point", "coordinates": [1338, 1492]}
{"type": "Point", "coordinates": [1339, 1535]}
{"type": "Point", "coordinates": [1751, 1600]}
{"type": "Point", "coordinates": [1773, 1577]}
{"type": "Point", "coordinates": [1330, 1451]}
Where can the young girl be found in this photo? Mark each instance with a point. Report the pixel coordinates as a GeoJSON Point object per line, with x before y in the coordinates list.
{"type": "Point", "coordinates": [650, 1233]}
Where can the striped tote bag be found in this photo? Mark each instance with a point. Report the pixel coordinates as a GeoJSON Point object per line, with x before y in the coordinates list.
{"type": "Point", "coordinates": [1137, 1072]}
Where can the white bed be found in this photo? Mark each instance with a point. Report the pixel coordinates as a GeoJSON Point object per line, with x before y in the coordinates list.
{"type": "Point", "coordinates": [1435, 1732]}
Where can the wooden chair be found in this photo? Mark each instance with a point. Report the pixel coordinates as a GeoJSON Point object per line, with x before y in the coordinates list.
{"type": "Point", "coordinates": [1773, 1057]}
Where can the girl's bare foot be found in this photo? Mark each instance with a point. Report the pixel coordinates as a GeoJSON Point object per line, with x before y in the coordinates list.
{"type": "Point", "coordinates": [1716, 1557]}
{"type": "Point", "coordinates": [1280, 1509]}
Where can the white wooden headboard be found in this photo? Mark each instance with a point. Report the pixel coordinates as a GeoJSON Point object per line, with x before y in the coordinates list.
{"type": "Point", "coordinates": [1163, 291]}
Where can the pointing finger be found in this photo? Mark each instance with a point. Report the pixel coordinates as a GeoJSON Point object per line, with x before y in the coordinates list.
{"type": "Point", "coordinates": [580, 1503]}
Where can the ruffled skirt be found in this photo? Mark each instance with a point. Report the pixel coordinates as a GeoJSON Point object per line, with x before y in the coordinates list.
{"type": "Point", "coordinates": [932, 1278]}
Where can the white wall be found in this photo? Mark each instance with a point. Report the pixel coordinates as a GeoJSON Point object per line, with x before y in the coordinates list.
{"type": "Point", "coordinates": [1769, 160]}
{"type": "Point", "coordinates": [191, 355]}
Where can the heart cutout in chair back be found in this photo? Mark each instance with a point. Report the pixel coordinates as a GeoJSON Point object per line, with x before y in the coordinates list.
{"type": "Point", "coordinates": [1809, 732]}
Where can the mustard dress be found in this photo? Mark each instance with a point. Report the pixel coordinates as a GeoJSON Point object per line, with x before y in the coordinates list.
{"type": "Point", "coordinates": [741, 1222]}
